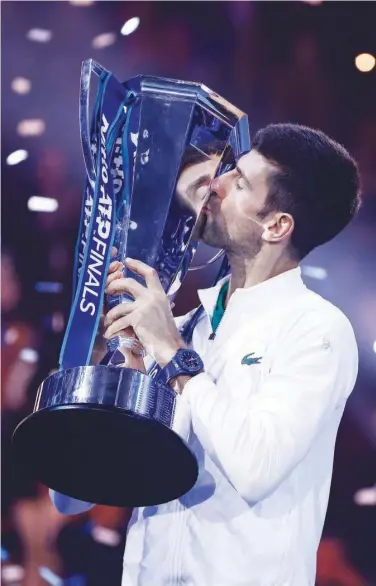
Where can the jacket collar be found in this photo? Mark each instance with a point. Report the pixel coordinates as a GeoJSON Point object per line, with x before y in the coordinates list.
{"type": "Point", "coordinates": [269, 293]}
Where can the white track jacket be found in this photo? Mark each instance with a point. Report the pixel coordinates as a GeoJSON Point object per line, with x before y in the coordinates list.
{"type": "Point", "coordinates": [265, 415]}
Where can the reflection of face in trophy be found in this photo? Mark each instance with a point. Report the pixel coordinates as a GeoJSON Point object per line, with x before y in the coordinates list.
{"type": "Point", "coordinates": [193, 185]}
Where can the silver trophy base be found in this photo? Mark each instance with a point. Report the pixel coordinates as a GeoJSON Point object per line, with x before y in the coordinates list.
{"type": "Point", "coordinates": [107, 435]}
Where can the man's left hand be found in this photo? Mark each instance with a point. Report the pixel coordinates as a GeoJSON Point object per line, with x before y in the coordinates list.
{"type": "Point", "coordinates": [149, 314]}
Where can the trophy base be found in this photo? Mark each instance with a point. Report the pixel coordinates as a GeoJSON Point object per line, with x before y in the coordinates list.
{"type": "Point", "coordinates": [102, 453]}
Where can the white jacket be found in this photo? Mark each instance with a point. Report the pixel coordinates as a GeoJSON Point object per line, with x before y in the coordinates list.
{"type": "Point", "coordinates": [264, 434]}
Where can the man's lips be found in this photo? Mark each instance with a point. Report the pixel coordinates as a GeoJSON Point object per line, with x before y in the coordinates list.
{"type": "Point", "coordinates": [206, 208]}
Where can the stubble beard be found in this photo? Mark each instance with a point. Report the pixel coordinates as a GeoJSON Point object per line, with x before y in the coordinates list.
{"type": "Point", "coordinates": [215, 234]}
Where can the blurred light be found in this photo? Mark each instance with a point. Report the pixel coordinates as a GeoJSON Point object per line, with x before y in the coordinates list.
{"type": "Point", "coordinates": [49, 576]}
{"type": "Point", "coordinates": [31, 127]}
{"type": "Point", "coordinates": [314, 272]}
{"type": "Point", "coordinates": [48, 287]}
{"type": "Point", "coordinates": [12, 573]}
{"type": "Point", "coordinates": [81, 2]}
{"type": "Point", "coordinates": [17, 157]}
{"type": "Point", "coordinates": [365, 62]}
{"type": "Point", "coordinates": [58, 318]}
{"type": "Point", "coordinates": [106, 536]}
{"type": "Point", "coordinates": [37, 203]}
{"type": "Point", "coordinates": [130, 26]}
{"type": "Point", "coordinates": [132, 225]}
{"type": "Point", "coordinates": [4, 554]}
{"type": "Point", "coordinates": [11, 336]}
{"type": "Point", "coordinates": [39, 35]}
{"type": "Point", "coordinates": [21, 85]}
{"type": "Point", "coordinates": [29, 355]}
{"type": "Point", "coordinates": [103, 40]}
{"type": "Point", "coordinates": [366, 497]}
{"type": "Point", "coordinates": [313, 2]}
{"type": "Point", "coordinates": [374, 346]}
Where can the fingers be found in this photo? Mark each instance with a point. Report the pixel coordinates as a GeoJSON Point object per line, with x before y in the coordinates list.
{"type": "Point", "coordinates": [113, 277]}
{"type": "Point", "coordinates": [117, 326]}
{"type": "Point", "coordinates": [148, 273]}
{"type": "Point", "coordinates": [115, 266]}
{"type": "Point", "coordinates": [115, 271]}
{"type": "Point", "coordinates": [125, 285]}
{"type": "Point", "coordinates": [119, 311]}
{"type": "Point", "coordinates": [113, 252]}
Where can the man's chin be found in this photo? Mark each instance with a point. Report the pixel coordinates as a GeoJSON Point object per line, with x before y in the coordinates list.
{"type": "Point", "coordinates": [207, 232]}
{"type": "Point", "coordinates": [211, 239]}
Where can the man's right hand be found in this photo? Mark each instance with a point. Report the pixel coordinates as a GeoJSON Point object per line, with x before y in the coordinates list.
{"type": "Point", "coordinates": [115, 271]}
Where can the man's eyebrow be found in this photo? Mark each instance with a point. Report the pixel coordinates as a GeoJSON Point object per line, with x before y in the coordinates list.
{"type": "Point", "coordinates": [243, 176]}
{"type": "Point", "coordinates": [198, 182]}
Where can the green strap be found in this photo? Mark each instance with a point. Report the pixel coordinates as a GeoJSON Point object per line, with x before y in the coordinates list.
{"type": "Point", "coordinates": [220, 307]}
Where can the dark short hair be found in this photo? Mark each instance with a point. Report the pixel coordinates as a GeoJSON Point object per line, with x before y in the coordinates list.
{"type": "Point", "coordinates": [315, 180]}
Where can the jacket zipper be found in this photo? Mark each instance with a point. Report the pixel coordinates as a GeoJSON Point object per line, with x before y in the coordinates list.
{"type": "Point", "coordinates": [213, 335]}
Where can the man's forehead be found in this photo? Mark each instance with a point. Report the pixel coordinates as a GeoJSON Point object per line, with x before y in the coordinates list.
{"type": "Point", "coordinates": [207, 166]}
{"type": "Point", "coordinates": [253, 164]}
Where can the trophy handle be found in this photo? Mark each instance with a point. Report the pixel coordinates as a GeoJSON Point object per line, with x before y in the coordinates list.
{"type": "Point", "coordinates": [88, 67]}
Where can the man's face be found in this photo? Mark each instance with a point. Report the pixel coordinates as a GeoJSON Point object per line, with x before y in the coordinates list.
{"type": "Point", "coordinates": [192, 189]}
{"type": "Point", "coordinates": [194, 182]}
{"type": "Point", "coordinates": [231, 220]}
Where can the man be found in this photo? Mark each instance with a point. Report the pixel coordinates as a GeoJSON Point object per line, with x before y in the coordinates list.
{"type": "Point", "coordinates": [278, 364]}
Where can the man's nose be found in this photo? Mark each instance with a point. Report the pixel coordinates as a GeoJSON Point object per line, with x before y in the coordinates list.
{"type": "Point", "coordinates": [219, 185]}
{"type": "Point", "coordinates": [214, 184]}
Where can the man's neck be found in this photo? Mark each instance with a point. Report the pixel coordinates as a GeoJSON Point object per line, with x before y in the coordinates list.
{"type": "Point", "coordinates": [247, 273]}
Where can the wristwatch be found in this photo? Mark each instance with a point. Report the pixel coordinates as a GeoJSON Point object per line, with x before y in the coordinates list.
{"type": "Point", "coordinates": [185, 363]}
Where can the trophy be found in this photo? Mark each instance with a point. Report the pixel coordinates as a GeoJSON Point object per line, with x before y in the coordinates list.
{"type": "Point", "coordinates": [111, 433]}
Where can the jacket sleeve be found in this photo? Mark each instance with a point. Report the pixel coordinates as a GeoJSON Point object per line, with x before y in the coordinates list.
{"type": "Point", "coordinates": [258, 442]}
{"type": "Point", "coordinates": [68, 505]}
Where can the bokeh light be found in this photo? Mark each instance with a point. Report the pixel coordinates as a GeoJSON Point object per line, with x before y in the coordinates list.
{"type": "Point", "coordinates": [39, 35]}
{"type": "Point", "coordinates": [81, 2]}
{"type": "Point", "coordinates": [103, 40]}
{"type": "Point", "coordinates": [21, 85]}
{"type": "Point", "coordinates": [17, 157]}
{"type": "Point", "coordinates": [130, 26]}
{"type": "Point", "coordinates": [31, 127]}
{"type": "Point", "coordinates": [37, 203]}
{"type": "Point", "coordinates": [365, 62]}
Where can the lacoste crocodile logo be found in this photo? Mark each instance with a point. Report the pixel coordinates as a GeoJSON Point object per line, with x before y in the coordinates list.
{"type": "Point", "coordinates": [249, 360]}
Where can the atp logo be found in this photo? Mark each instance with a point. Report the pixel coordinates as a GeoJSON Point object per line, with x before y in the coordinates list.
{"type": "Point", "coordinates": [248, 359]}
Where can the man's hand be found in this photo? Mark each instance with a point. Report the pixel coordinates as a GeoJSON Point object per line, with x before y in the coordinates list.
{"type": "Point", "coordinates": [115, 271]}
{"type": "Point", "coordinates": [149, 314]}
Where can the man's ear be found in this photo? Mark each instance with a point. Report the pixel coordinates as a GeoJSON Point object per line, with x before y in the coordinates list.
{"type": "Point", "coordinates": [279, 228]}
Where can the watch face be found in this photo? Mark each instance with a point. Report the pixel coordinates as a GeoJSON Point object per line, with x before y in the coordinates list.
{"type": "Point", "coordinates": [190, 360]}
